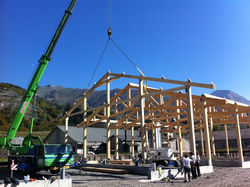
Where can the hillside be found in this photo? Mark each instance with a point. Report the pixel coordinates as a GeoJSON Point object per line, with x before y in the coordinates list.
{"type": "Point", "coordinates": [46, 113]}
{"type": "Point", "coordinates": [68, 96]}
{"type": "Point", "coordinates": [228, 94]}
{"type": "Point", "coordinates": [53, 102]}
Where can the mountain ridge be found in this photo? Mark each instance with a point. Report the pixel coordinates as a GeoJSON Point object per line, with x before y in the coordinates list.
{"type": "Point", "coordinates": [228, 94]}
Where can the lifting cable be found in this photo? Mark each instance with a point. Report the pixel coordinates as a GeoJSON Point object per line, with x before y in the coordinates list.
{"type": "Point", "coordinates": [117, 46]}
{"type": "Point", "coordinates": [98, 63]}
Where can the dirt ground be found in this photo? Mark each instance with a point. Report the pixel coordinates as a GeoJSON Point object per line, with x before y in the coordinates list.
{"type": "Point", "coordinates": [221, 177]}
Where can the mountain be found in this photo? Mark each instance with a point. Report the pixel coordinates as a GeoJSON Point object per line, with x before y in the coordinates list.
{"type": "Point", "coordinates": [228, 94]}
{"type": "Point", "coordinates": [46, 113]}
{"type": "Point", "coordinates": [68, 96]}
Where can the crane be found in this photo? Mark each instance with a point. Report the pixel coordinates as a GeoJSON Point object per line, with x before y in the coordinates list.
{"type": "Point", "coordinates": [33, 154]}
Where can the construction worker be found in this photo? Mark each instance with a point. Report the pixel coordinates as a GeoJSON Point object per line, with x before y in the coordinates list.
{"type": "Point", "coordinates": [193, 168]}
{"type": "Point", "coordinates": [187, 168]}
{"type": "Point", "coordinates": [197, 164]}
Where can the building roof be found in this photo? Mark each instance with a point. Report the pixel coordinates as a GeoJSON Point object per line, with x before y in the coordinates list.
{"type": "Point", "coordinates": [95, 134]}
{"type": "Point", "coordinates": [220, 135]}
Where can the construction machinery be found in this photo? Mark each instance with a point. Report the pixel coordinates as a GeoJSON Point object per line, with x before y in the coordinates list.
{"type": "Point", "coordinates": [163, 157]}
{"type": "Point", "coordinates": [33, 154]}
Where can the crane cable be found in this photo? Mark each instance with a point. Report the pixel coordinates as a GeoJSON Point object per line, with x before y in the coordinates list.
{"type": "Point", "coordinates": [117, 46]}
{"type": "Point", "coordinates": [98, 63]}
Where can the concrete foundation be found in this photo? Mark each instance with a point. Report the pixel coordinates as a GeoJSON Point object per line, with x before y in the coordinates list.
{"type": "Point", "coordinates": [138, 170]}
{"type": "Point", "coordinates": [173, 173]}
{"type": "Point", "coordinates": [231, 163]}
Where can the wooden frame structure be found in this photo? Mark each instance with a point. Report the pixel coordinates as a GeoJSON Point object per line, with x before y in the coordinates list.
{"type": "Point", "coordinates": [181, 113]}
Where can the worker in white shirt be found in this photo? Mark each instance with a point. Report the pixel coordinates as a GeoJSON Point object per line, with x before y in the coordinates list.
{"type": "Point", "coordinates": [187, 168]}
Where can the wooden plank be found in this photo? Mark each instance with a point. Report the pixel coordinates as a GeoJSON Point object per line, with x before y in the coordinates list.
{"type": "Point", "coordinates": [105, 170]}
{"type": "Point", "coordinates": [122, 162]}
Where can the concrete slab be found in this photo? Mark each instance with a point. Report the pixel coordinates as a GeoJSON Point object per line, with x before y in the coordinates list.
{"type": "Point", "coordinates": [246, 164]}
{"type": "Point", "coordinates": [173, 173]}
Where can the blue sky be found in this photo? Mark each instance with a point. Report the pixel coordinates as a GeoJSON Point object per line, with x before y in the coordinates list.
{"type": "Point", "coordinates": [206, 41]}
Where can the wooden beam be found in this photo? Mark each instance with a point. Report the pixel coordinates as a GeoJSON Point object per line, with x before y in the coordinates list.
{"type": "Point", "coordinates": [212, 134]}
{"type": "Point", "coordinates": [226, 139]}
{"type": "Point", "coordinates": [116, 138]}
{"type": "Point", "coordinates": [185, 83]}
{"type": "Point", "coordinates": [202, 142]}
{"type": "Point", "coordinates": [237, 128]}
{"type": "Point", "coordinates": [85, 129]}
{"type": "Point", "coordinates": [179, 131]}
{"type": "Point", "coordinates": [143, 138]}
{"type": "Point", "coordinates": [207, 139]}
{"type": "Point", "coordinates": [108, 119]}
{"type": "Point", "coordinates": [66, 130]}
{"type": "Point", "coordinates": [86, 95]}
{"type": "Point", "coordinates": [191, 120]}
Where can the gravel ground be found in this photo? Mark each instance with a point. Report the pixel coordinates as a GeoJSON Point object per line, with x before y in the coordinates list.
{"type": "Point", "coordinates": [220, 177]}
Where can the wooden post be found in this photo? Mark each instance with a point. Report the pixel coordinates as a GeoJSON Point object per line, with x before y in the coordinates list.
{"type": "Point", "coordinates": [116, 137]}
{"type": "Point", "coordinates": [132, 147]}
{"type": "Point", "coordinates": [207, 137]}
{"type": "Point", "coordinates": [191, 119]}
{"type": "Point", "coordinates": [85, 129]}
{"type": "Point", "coordinates": [108, 118]}
{"type": "Point", "coordinates": [212, 134]}
{"type": "Point", "coordinates": [179, 131]}
{"type": "Point", "coordinates": [153, 136]}
{"type": "Point", "coordinates": [132, 143]}
{"type": "Point", "coordinates": [237, 128]}
{"type": "Point", "coordinates": [226, 139]}
{"type": "Point", "coordinates": [116, 144]}
{"type": "Point", "coordinates": [66, 130]}
{"type": "Point", "coordinates": [146, 134]}
{"type": "Point", "coordinates": [202, 142]}
{"type": "Point", "coordinates": [142, 101]}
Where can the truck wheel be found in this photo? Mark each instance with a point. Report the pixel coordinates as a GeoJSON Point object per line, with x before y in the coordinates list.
{"type": "Point", "coordinates": [177, 163]}
{"type": "Point", "coordinates": [161, 163]}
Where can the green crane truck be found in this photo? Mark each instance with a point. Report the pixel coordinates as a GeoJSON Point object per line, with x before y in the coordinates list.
{"type": "Point", "coordinates": [33, 154]}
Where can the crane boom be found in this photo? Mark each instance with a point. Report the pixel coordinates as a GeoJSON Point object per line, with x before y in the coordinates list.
{"type": "Point", "coordinates": [32, 89]}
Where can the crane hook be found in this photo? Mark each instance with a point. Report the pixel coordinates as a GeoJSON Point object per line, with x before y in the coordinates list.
{"type": "Point", "coordinates": [109, 32]}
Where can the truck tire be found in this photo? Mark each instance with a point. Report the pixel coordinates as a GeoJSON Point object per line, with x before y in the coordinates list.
{"type": "Point", "coordinates": [161, 163]}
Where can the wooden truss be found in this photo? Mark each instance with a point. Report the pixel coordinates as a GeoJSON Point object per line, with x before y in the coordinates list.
{"type": "Point", "coordinates": [170, 109]}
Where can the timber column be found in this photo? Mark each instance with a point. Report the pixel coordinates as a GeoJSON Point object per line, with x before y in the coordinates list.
{"type": "Point", "coordinates": [191, 119]}
{"type": "Point", "coordinates": [226, 139]}
{"type": "Point", "coordinates": [108, 118]}
{"type": "Point", "coordinates": [116, 136]}
{"type": "Point", "coordinates": [66, 130]}
{"type": "Point", "coordinates": [85, 128]}
{"type": "Point", "coordinates": [132, 146]}
{"type": "Point", "coordinates": [212, 133]}
{"type": "Point", "coordinates": [237, 128]}
{"type": "Point", "coordinates": [202, 141]}
{"type": "Point", "coordinates": [143, 138]}
{"type": "Point", "coordinates": [207, 137]}
{"type": "Point", "coordinates": [179, 129]}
